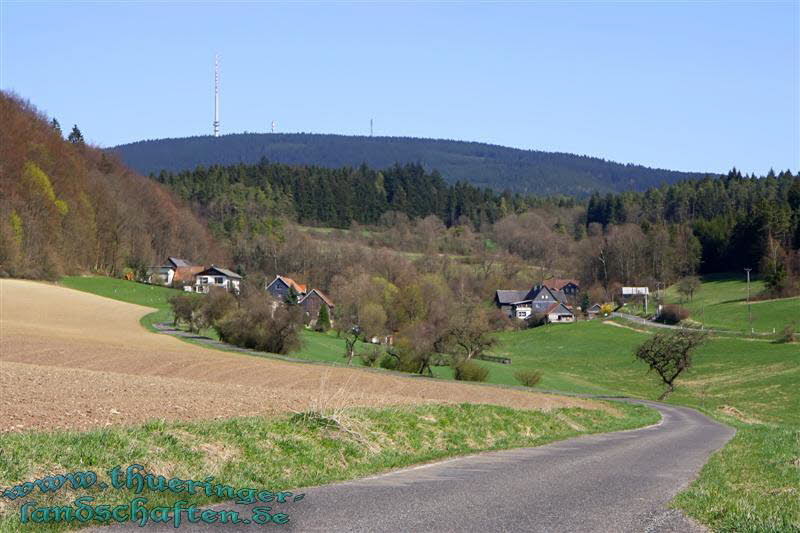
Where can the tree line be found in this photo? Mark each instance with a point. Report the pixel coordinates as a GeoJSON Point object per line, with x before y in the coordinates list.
{"type": "Point", "coordinates": [247, 197]}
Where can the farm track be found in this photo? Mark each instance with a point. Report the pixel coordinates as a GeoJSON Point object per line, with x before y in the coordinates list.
{"type": "Point", "coordinates": [73, 360]}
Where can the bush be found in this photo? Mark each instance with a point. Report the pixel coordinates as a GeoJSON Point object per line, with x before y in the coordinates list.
{"type": "Point", "coordinates": [500, 321]}
{"type": "Point", "coordinates": [789, 333]}
{"type": "Point", "coordinates": [470, 371]}
{"type": "Point", "coordinates": [186, 308]}
{"type": "Point", "coordinates": [673, 314]}
{"type": "Point", "coordinates": [536, 320]}
{"type": "Point", "coordinates": [388, 362]}
{"type": "Point", "coordinates": [529, 378]}
{"type": "Point", "coordinates": [261, 325]}
{"type": "Point", "coordinates": [370, 356]}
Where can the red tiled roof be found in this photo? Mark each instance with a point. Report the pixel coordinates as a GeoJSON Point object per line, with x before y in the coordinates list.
{"type": "Point", "coordinates": [299, 287]}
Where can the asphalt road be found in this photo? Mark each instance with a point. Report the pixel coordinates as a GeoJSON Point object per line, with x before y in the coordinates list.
{"type": "Point", "coordinates": [614, 482]}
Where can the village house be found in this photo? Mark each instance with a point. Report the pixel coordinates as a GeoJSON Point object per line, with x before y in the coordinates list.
{"type": "Point", "coordinates": [280, 287]}
{"type": "Point", "coordinates": [540, 300]}
{"type": "Point", "coordinates": [311, 301]}
{"type": "Point", "coordinates": [173, 273]}
{"type": "Point", "coordinates": [215, 276]}
{"type": "Point", "coordinates": [570, 287]}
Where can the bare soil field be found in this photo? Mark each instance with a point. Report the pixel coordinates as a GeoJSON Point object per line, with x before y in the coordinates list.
{"type": "Point", "coordinates": [73, 360]}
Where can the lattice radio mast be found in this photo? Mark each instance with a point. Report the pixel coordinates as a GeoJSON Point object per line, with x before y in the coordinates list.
{"type": "Point", "coordinates": [216, 95]}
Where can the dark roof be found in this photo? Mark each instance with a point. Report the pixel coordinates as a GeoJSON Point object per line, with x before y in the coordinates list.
{"type": "Point", "coordinates": [505, 297]}
{"type": "Point", "coordinates": [559, 284]}
{"type": "Point", "coordinates": [220, 270]}
{"type": "Point", "coordinates": [299, 287]}
{"type": "Point", "coordinates": [321, 294]}
{"type": "Point", "coordinates": [178, 262]}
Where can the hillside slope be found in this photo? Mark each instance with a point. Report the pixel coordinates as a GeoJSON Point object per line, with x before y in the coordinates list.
{"type": "Point", "coordinates": [68, 207]}
{"type": "Point", "coordinates": [484, 165]}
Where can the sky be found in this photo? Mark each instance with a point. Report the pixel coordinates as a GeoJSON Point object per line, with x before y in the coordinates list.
{"type": "Point", "coordinates": [700, 86]}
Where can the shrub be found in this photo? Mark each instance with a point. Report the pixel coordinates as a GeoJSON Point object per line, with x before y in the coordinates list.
{"type": "Point", "coordinates": [673, 314]}
{"type": "Point", "coordinates": [261, 325]}
{"type": "Point", "coordinates": [789, 333]}
{"type": "Point", "coordinates": [499, 321]}
{"type": "Point", "coordinates": [470, 371]}
{"type": "Point", "coordinates": [185, 308]}
{"type": "Point", "coordinates": [323, 319]}
{"type": "Point", "coordinates": [388, 362]}
{"type": "Point", "coordinates": [529, 378]}
{"type": "Point", "coordinates": [370, 356]}
{"type": "Point", "coordinates": [536, 320]}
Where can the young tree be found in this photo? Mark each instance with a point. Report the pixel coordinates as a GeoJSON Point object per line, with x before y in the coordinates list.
{"type": "Point", "coordinates": [669, 354]}
{"type": "Point", "coordinates": [75, 136]}
{"type": "Point", "coordinates": [688, 286]}
{"type": "Point", "coordinates": [291, 297]}
{"type": "Point", "coordinates": [469, 332]}
{"type": "Point", "coordinates": [323, 319]}
{"type": "Point", "coordinates": [350, 339]}
{"type": "Point", "coordinates": [585, 304]}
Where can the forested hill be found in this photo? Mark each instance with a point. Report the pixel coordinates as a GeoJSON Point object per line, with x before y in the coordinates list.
{"type": "Point", "coordinates": [483, 165]}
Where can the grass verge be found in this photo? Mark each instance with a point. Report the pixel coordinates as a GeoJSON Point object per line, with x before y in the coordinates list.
{"type": "Point", "coordinates": [287, 452]}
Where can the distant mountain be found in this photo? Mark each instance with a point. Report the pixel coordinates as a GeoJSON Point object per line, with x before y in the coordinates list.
{"type": "Point", "coordinates": [485, 165]}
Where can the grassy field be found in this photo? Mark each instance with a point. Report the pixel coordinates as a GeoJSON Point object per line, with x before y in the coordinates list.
{"type": "Point", "coordinates": [284, 453]}
{"type": "Point", "coordinates": [753, 484]}
{"type": "Point", "coordinates": [721, 303]}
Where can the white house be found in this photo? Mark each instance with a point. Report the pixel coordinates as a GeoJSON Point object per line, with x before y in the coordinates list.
{"type": "Point", "coordinates": [217, 277]}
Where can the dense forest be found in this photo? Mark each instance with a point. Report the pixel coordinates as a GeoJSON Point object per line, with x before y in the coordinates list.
{"type": "Point", "coordinates": [247, 197]}
{"type": "Point", "coordinates": [67, 207]}
{"type": "Point", "coordinates": [482, 165]}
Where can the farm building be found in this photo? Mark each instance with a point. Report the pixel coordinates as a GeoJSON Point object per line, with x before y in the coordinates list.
{"type": "Point", "coordinates": [313, 301]}
{"type": "Point", "coordinates": [280, 287]}
{"type": "Point", "coordinates": [173, 272]}
{"type": "Point", "coordinates": [537, 301]}
{"type": "Point", "coordinates": [217, 277]}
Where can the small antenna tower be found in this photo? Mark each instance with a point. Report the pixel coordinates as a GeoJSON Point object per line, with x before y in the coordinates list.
{"type": "Point", "coordinates": [273, 126]}
{"type": "Point", "coordinates": [216, 95]}
{"type": "Point", "coordinates": [370, 127]}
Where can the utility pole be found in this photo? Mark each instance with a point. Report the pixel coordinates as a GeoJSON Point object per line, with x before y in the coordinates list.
{"type": "Point", "coordinates": [749, 310]}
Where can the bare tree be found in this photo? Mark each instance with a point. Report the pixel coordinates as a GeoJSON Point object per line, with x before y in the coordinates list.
{"type": "Point", "coordinates": [669, 354]}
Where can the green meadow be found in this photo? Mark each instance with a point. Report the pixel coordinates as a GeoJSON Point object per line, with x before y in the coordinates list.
{"type": "Point", "coordinates": [753, 484]}
{"type": "Point", "coordinates": [721, 303]}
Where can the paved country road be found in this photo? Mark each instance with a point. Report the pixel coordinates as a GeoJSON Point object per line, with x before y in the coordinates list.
{"type": "Point", "coordinates": [613, 482]}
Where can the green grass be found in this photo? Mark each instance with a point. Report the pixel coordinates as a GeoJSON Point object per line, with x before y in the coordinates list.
{"type": "Point", "coordinates": [287, 452]}
{"type": "Point", "coordinates": [753, 484]}
{"type": "Point", "coordinates": [721, 303]}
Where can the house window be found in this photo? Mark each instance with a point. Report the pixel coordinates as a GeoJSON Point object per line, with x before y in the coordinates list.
{"type": "Point", "coordinates": [219, 280]}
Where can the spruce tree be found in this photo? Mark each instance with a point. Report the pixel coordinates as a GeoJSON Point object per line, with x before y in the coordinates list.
{"type": "Point", "coordinates": [75, 136]}
{"type": "Point", "coordinates": [56, 126]}
{"type": "Point", "coordinates": [323, 319]}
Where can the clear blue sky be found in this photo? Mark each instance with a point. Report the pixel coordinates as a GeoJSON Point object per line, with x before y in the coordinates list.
{"type": "Point", "coordinates": [681, 85]}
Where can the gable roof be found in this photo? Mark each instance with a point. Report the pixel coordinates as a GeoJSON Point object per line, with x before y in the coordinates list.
{"type": "Point", "coordinates": [178, 262]}
{"type": "Point", "coordinates": [219, 270]}
{"type": "Point", "coordinates": [558, 308]}
{"type": "Point", "coordinates": [559, 283]}
{"type": "Point", "coordinates": [508, 297]}
{"type": "Point", "coordinates": [534, 293]}
{"type": "Point", "coordinates": [321, 294]}
{"type": "Point", "coordinates": [299, 287]}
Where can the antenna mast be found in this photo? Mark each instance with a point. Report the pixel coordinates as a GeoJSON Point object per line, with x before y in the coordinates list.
{"type": "Point", "coordinates": [370, 127]}
{"type": "Point", "coordinates": [216, 95]}
{"type": "Point", "coordinates": [273, 126]}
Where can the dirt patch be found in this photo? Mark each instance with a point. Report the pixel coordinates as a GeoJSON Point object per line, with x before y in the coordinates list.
{"type": "Point", "coordinates": [735, 413]}
{"type": "Point", "coordinates": [73, 360]}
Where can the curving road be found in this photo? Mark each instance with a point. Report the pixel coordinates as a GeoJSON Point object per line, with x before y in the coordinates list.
{"type": "Point", "coordinates": [613, 482]}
